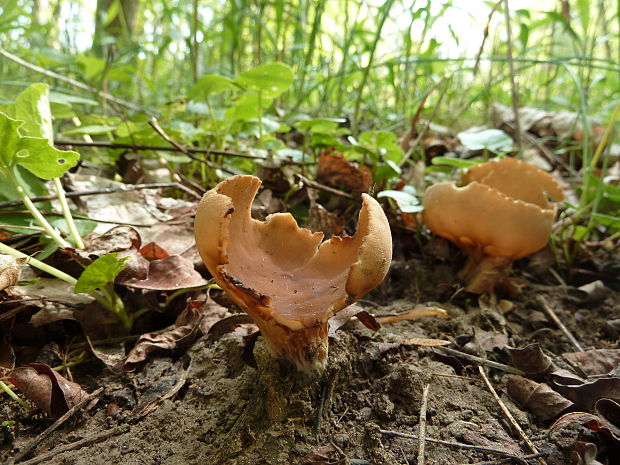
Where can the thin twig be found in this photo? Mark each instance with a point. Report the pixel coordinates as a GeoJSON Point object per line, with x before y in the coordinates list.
{"type": "Point", "coordinates": [106, 190]}
{"type": "Point", "coordinates": [551, 314]}
{"type": "Point", "coordinates": [57, 424]}
{"type": "Point", "coordinates": [156, 148]}
{"type": "Point", "coordinates": [323, 187]}
{"type": "Point", "coordinates": [485, 36]}
{"type": "Point", "coordinates": [482, 361]}
{"type": "Point", "coordinates": [74, 83]}
{"type": "Point", "coordinates": [509, 416]}
{"type": "Point", "coordinates": [450, 444]}
{"type": "Point", "coordinates": [158, 129]}
{"type": "Point", "coordinates": [95, 438]}
{"type": "Point", "coordinates": [422, 430]}
{"type": "Point", "coordinates": [513, 81]}
{"type": "Point", "coordinates": [509, 460]}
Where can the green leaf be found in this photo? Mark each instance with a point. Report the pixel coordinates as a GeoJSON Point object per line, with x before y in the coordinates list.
{"type": "Point", "coordinates": [405, 199]}
{"type": "Point", "coordinates": [94, 129]}
{"type": "Point", "coordinates": [209, 85]}
{"type": "Point", "coordinates": [43, 160]}
{"type": "Point", "coordinates": [100, 272]}
{"type": "Point", "coordinates": [271, 79]}
{"type": "Point", "coordinates": [33, 107]}
{"type": "Point", "coordinates": [494, 140]}
{"type": "Point", "coordinates": [9, 140]}
{"type": "Point", "coordinates": [458, 162]}
{"type": "Point", "coordinates": [382, 143]}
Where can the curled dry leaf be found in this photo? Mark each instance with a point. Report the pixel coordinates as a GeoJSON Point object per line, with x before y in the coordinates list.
{"type": "Point", "coordinates": [594, 362]}
{"type": "Point", "coordinates": [344, 316]}
{"type": "Point", "coordinates": [530, 359]}
{"type": "Point", "coordinates": [336, 171]}
{"type": "Point", "coordinates": [586, 394]}
{"type": "Point", "coordinates": [47, 389]}
{"type": "Point", "coordinates": [167, 274]}
{"type": "Point", "coordinates": [7, 357]}
{"type": "Point", "coordinates": [537, 398]}
{"type": "Point", "coordinates": [10, 269]}
{"type": "Point", "coordinates": [228, 325]}
{"type": "Point", "coordinates": [413, 314]}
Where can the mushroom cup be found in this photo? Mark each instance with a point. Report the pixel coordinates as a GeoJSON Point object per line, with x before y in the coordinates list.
{"type": "Point", "coordinates": [285, 277]}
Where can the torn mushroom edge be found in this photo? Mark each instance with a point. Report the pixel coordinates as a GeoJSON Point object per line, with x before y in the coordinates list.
{"type": "Point", "coordinates": [371, 219]}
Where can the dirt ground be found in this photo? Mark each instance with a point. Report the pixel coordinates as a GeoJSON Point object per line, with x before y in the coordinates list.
{"type": "Point", "coordinates": [207, 405]}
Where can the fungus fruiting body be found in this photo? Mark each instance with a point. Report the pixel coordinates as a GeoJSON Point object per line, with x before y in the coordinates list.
{"type": "Point", "coordinates": [501, 213]}
{"type": "Point", "coordinates": [284, 276]}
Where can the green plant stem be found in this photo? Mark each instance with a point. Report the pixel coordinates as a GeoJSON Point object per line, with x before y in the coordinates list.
{"type": "Point", "coordinates": [14, 396]}
{"type": "Point", "coordinates": [33, 209]}
{"type": "Point", "coordinates": [38, 264]}
{"type": "Point", "coordinates": [77, 239]}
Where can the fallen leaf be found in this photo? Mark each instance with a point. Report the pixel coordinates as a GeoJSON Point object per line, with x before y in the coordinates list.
{"type": "Point", "coordinates": [586, 394]}
{"type": "Point", "coordinates": [47, 389]}
{"type": "Point", "coordinates": [10, 269]}
{"type": "Point", "coordinates": [167, 274]}
{"type": "Point", "coordinates": [152, 251]}
{"type": "Point", "coordinates": [490, 340]}
{"type": "Point", "coordinates": [594, 362]}
{"type": "Point", "coordinates": [117, 239]}
{"type": "Point", "coordinates": [7, 357]}
{"type": "Point", "coordinates": [530, 359]}
{"type": "Point", "coordinates": [320, 219]}
{"type": "Point", "coordinates": [326, 455]}
{"type": "Point", "coordinates": [417, 312]}
{"type": "Point", "coordinates": [342, 317]}
{"type": "Point", "coordinates": [336, 171]}
{"type": "Point", "coordinates": [228, 325]}
{"type": "Point", "coordinates": [537, 398]}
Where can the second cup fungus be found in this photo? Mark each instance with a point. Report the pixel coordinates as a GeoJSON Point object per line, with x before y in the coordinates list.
{"type": "Point", "coordinates": [502, 212]}
{"type": "Point", "coordinates": [284, 276]}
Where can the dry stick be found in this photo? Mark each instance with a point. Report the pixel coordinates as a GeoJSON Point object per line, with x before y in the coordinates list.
{"type": "Point", "coordinates": [114, 145]}
{"type": "Point", "coordinates": [513, 82]}
{"type": "Point", "coordinates": [450, 444]}
{"type": "Point", "coordinates": [74, 83]}
{"type": "Point", "coordinates": [422, 432]}
{"type": "Point", "coordinates": [509, 416]}
{"type": "Point", "coordinates": [322, 187]}
{"type": "Point", "coordinates": [551, 314]}
{"type": "Point", "coordinates": [95, 438]}
{"type": "Point", "coordinates": [57, 424]}
{"type": "Point", "coordinates": [509, 460]}
{"type": "Point", "coordinates": [485, 37]}
{"type": "Point", "coordinates": [158, 129]}
{"type": "Point", "coordinates": [483, 361]}
{"type": "Point", "coordinates": [107, 190]}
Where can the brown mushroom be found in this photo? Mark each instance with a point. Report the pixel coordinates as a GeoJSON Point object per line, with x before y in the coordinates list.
{"type": "Point", "coordinates": [284, 276]}
{"type": "Point", "coordinates": [500, 214]}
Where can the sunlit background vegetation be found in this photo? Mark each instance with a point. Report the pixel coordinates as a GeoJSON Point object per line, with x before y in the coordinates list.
{"type": "Point", "coordinates": [369, 60]}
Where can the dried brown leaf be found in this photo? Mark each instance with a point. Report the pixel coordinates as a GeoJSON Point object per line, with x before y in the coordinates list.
{"type": "Point", "coordinates": [47, 389]}
{"type": "Point", "coordinates": [7, 357]}
{"type": "Point", "coordinates": [228, 325]}
{"type": "Point", "coordinates": [413, 314]}
{"type": "Point", "coordinates": [586, 394]}
{"type": "Point", "coordinates": [530, 359]}
{"type": "Point", "coordinates": [336, 171]}
{"type": "Point", "coordinates": [537, 398]}
{"type": "Point", "coordinates": [10, 269]}
{"type": "Point", "coordinates": [342, 317]}
{"type": "Point", "coordinates": [167, 274]}
{"type": "Point", "coordinates": [420, 341]}
{"type": "Point", "coordinates": [594, 362]}
{"type": "Point", "coordinates": [152, 251]}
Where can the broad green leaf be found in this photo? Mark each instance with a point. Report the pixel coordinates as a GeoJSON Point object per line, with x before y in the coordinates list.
{"type": "Point", "coordinates": [32, 107]}
{"type": "Point", "coordinates": [494, 140]}
{"type": "Point", "coordinates": [43, 160]}
{"type": "Point", "coordinates": [209, 85]}
{"type": "Point", "coordinates": [245, 108]}
{"type": "Point", "coordinates": [100, 272]}
{"type": "Point", "coordinates": [32, 186]}
{"type": "Point", "coordinates": [405, 199]}
{"type": "Point", "coordinates": [383, 144]}
{"type": "Point", "coordinates": [9, 140]}
{"type": "Point", "coordinates": [271, 79]}
{"type": "Point", "coordinates": [67, 99]}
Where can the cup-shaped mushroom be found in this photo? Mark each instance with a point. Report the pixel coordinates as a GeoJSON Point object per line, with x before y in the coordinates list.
{"type": "Point", "coordinates": [285, 277]}
{"type": "Point", "coordinates": [501, 214]}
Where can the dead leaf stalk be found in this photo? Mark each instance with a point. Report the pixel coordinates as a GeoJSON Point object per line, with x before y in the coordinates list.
{"type": "Point", "coordinates": [483, 361]}
{"type": "Point", "coordinates": [422, 426]}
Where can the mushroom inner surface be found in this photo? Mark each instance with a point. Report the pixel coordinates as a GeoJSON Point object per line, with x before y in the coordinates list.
{"type": "Point", "coordinates": [303, 277]}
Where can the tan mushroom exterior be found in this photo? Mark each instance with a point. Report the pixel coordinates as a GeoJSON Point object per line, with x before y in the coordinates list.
{"type": "Point", "coordinates": [477, 216]}
{"type": "Point", "coordinates": [284, 276]}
